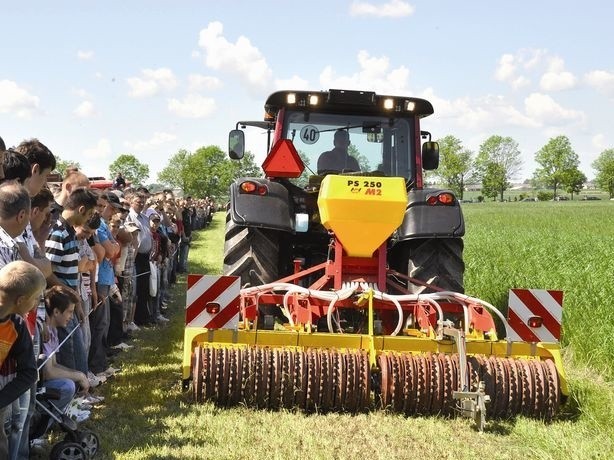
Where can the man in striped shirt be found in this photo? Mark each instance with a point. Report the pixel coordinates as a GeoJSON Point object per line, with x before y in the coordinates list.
{"type": "Point", "coordinates": [63, 251]}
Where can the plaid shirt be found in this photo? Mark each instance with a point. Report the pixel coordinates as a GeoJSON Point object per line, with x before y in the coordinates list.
{"type": "Point", "coordinates": [9, 251]}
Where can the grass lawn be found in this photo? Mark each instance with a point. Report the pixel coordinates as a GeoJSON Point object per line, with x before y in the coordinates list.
{"type": "Point", "coordinates": [554, 245]}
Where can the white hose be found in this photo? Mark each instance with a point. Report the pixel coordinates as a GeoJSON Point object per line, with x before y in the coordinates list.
{"type": "Point", "coordinates": [333, 296]}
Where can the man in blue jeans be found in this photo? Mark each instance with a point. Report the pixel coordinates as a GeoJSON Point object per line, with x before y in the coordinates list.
{"type": "Point", "coordinates": [62, 250]}
{"type": "Point", "coordinates": [100, 319]}
{"type": "Point", "coordinates": [186, 235]}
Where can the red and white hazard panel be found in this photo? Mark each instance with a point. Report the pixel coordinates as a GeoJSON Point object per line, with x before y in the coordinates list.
{"type": "Point", "coordinates": [535, 315]}
{"type": "Point", "coordinates": [213, 301]}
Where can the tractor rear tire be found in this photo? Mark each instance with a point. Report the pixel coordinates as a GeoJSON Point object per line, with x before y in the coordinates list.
{"type": "Point", "coordinates": [251, 253]}
{"type": "Point", "coordinates": [436, 261]}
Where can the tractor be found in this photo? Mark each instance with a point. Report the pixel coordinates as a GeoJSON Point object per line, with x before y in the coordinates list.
{"type": "Point", "coordinates": [342, 286]}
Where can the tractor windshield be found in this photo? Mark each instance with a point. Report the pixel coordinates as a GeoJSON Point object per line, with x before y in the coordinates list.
{"type": "Point", "coordinates": [376, 143]}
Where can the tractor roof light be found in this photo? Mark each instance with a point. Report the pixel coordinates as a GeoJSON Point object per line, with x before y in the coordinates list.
{"type": "Point", "coordinates": [388, 103]}
{"type": "Point", "coordinates": [314, 99]}
{"type": "Point", "coordinates": [410, 106]}
{"type": "Point", "coordinates": [291, 98]}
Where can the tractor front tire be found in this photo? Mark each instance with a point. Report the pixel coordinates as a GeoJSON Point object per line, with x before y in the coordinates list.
{"type": "Point", "coordinates": [251, 253]}
{"type": "Point", "coordinates": [434, 261]}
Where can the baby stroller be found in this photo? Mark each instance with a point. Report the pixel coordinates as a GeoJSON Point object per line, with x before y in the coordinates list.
{"type": "Point", "coordinates": [77, 444]}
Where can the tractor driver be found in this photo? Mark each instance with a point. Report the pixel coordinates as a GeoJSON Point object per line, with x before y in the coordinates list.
{"type": "Point", "coordinates": [338, 159]}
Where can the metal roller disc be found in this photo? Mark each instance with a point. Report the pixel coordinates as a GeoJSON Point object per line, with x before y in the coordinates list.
{"type": "Point", "coordinates": [365, 378]}
{"type": "Point", "coordinates": [225, 378]}
{"type": "Point", "coordinates": [276, 377]}
{"type": "Point", "coordinates": [234, 386]}
{"type": "Point", "coordinates": [300, 379]}
{"type": "Point", "coordinates": [243, 375]}
{"type": "Point", "coordinates": [287, 380]}
{"type": "Point", "coordinates": [501, 387]}
{"type": "Point", "coordinates": [341, 388]}
{"type": "Point", "coordinates": [528, 398]}
{"type": "Point", "coordinates": [519, 376]}
{"type": "Point", "coordinates": [357, 381]}
{"type": "Point", "coordinates": [207, 370]}
{"type": "Point", "coordinates": [436, 385]}
{"type": "Point", "coordinates": [422, 385]}
{"type": "Point", "coordinates": [313, 383]}
{"type": "Point", "coordinates": [396, 389]}
{"type": "Point", "coordinates": [428, 361]}
{"type": "Point", "coordinates": [447, 385]}
{"type": "Point", "coordinates": [336, 371]}
{"type": "Point", "coordinates": [513, 388]}
{"type": "Point", "coordinates": [386, 376]}
{"type": "Point", "coordinates": [540, 389]}
{"type": "Point", "coordinates": [197, 378]}
{"type": "Point", "coordinates": [214, 374]}
{"type": "Point", "coordinates": [409, 386]}
{"type": "Point", "coordinates": [257, 376]}
{"type": "Point", "coordinates": [315, 395]}
{"type": "Point", "coordinates": [489, 378]}
{"type": "Point", "coordinates": [264, 379]}
{"type": "Point", "coordinates": [350, 386]}
{"type": "Point", "coordinates": [326, 381]}
{"type": "Point", "coordinates": [554, 391]}
{"type": "Point", "coordinates": [474, 372]}
{"type": "Point", "coordinates": [395, 382]}
{"type": "Point", "coordinates": [249, 377]}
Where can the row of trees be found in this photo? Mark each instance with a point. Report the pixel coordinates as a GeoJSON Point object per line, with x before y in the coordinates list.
{"type": "Point", "coordinates": [498, 161]}
{"type": "Point", "coordinates": [209, 171]}
{"type": "Point", "coordinates": [206, 172]}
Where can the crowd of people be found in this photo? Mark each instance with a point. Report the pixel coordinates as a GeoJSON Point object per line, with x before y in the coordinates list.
{"type": "Point", "coordinates": [80, 271]}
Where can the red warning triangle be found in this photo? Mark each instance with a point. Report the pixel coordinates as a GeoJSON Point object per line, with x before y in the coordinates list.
{"type": "Point", "coordinates": [283, 161]}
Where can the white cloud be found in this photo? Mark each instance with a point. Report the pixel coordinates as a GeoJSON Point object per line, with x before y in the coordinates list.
{"type": "Point", "coordinates": [392, 9]}
{"type": "Point", "coordinates": [375, 74]}
{"type": "Point", "coordinates": [151, 82]}
{"type": "Point", "coordinates": [557, 81]}
{"type": "Point", "coordinates": [158, 138]}
{"type": "Point", "coordinates": [198, 82]}
{"type": "Point", "coordinates": [16, 100]}
{"type": "Point", "coordinates": [488, 112]}
{"type": "Point", "coordinates": [506, 68]}
{"type": "Point", "coordinates": [599, 142]}
{"type": "Point", "coordinates": [545, 110]}
{"type": "Point", "coordinates": [511, 68]}
{"type": "Point", "coordinates": [240, 58]}
{"type": "Point", "coordinates": [101, 151]}
{"type": "Point", "coordinates": [195, 54]}
{"type": "Point", "coordinates": [294, 82]}
{"type": "Point", "coordinates": [602, 81]}
{"type": "Point", "coordinates": [85, 110]}
{"type": "Point", "coordinates": [192, 106]}
{"type": "Point", "coordinates": [80, 92]}
{"type": "Point", "coordinates": [520, 82]}
{"type": "Point", "coordinates": [556, 78]}
{"type": "Point", "coordinates": [85, 55]}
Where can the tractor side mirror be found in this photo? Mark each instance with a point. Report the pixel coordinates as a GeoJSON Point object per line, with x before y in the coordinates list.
{"type": "Point", "coordinates": [430, 155]}
{"type": "Point", "coordinates": [236, 144]}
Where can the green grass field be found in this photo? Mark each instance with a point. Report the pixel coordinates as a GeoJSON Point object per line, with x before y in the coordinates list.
{"type": "Point", "coordinates": [565, 245]}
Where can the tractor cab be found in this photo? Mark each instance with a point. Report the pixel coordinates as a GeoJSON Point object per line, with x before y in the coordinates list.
{"type": "Point", "coordinates": [344, 132]}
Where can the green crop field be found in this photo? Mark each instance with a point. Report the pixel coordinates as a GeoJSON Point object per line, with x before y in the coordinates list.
{"type": "Point", "coordinates": [566, 245]}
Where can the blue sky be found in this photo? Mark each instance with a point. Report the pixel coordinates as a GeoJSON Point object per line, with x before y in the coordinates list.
{"type": "Point", "coordinates": [93, 80]}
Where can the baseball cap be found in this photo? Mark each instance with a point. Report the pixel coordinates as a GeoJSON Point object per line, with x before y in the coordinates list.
{"type": "Point", "coordinates": [113, 200]}
{"type": "Point", "coordinates": [131, 227]}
